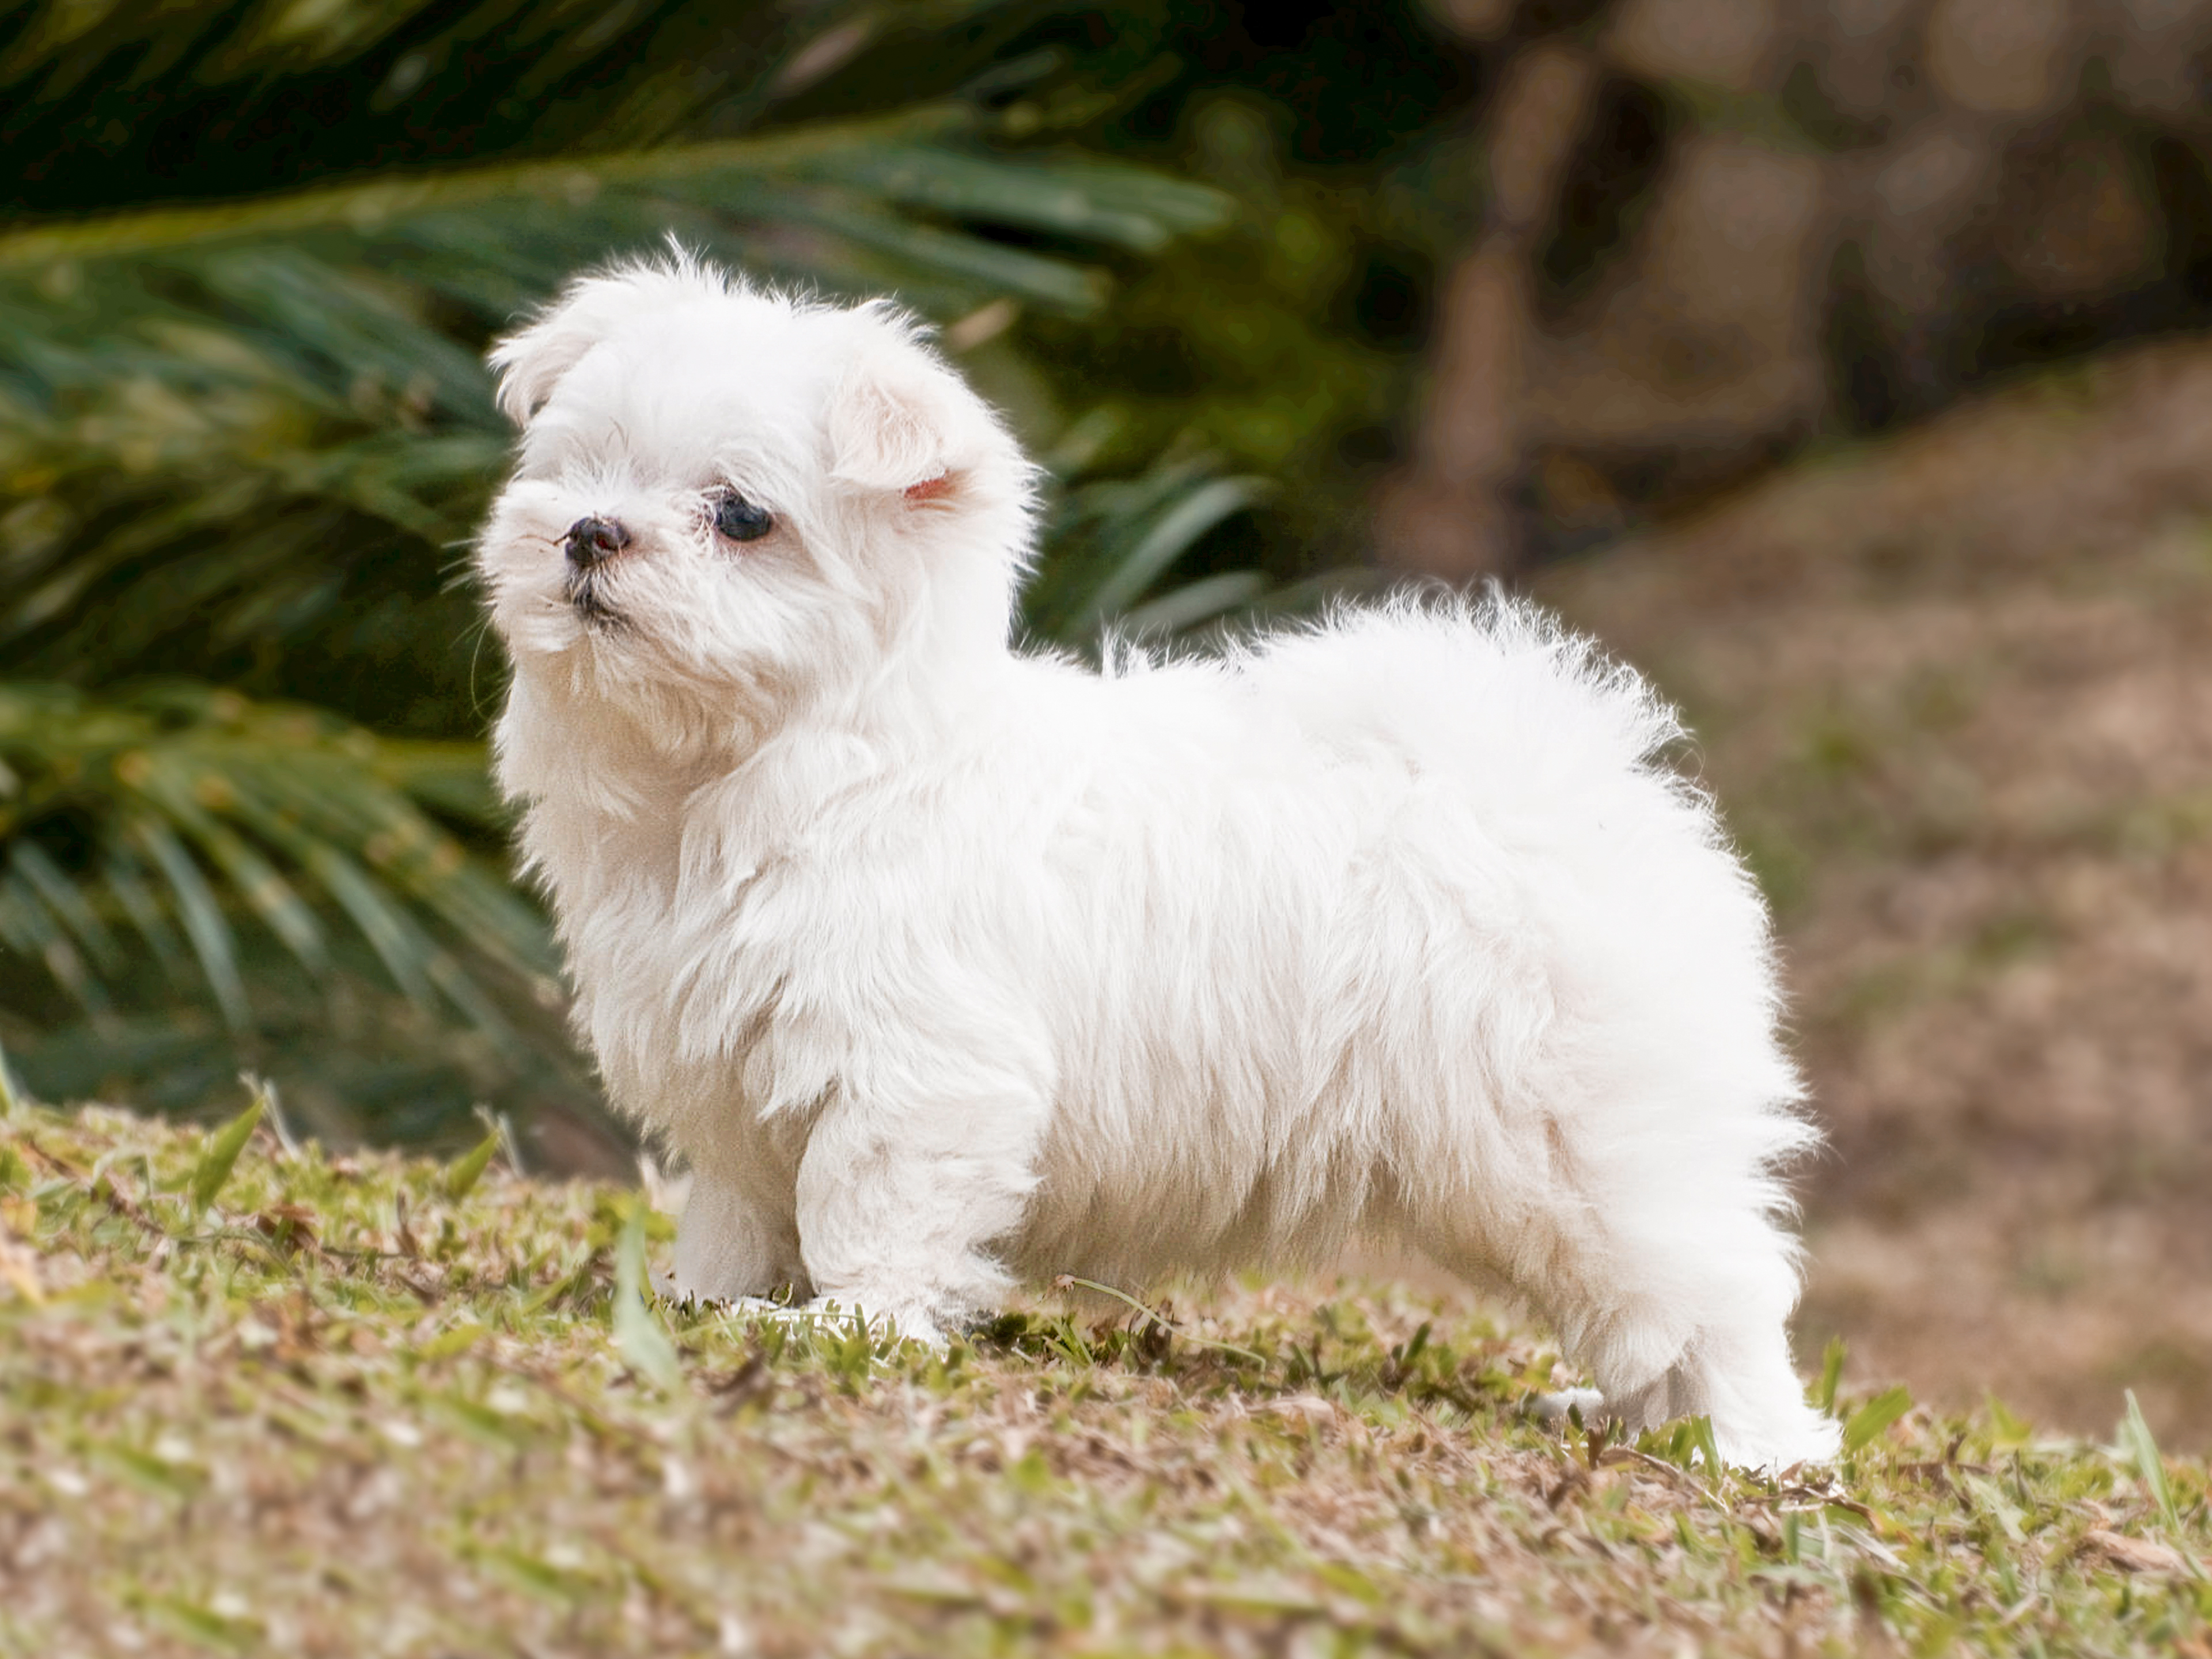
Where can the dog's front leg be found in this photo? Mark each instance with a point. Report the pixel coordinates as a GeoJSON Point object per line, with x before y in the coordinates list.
{"type": "Point", "coordinates": [899, 1205]}
{"type": "Point", "coordinates": [733, 1242]}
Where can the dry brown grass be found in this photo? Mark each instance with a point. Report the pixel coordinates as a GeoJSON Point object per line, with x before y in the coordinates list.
{"type": "Point", "coordinates": [362, 1406]}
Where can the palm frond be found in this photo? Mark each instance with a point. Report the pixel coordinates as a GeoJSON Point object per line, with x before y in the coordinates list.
{"type": "Point", "coordinates": [245, 429]}
{"type": "Point", "coordinates": [1114, 540]}
{"type": "Point", "coordinates": [306, 371]}
{"type": "Point", "coordinates": [180, 803]}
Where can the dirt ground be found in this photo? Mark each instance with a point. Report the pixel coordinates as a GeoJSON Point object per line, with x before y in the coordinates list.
{"type": "Point", "coordinates": [1955, 695]}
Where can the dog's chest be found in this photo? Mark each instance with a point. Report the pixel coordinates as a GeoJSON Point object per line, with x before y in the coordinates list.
{"type": "Point", "coordinates": [678, 963]}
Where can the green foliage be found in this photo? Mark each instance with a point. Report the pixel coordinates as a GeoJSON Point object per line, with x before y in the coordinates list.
{"type": "Point", "coordinates": [1832, 1376]}
{"type": "Point", "coordinates": [339, 1408]}
{"type": "Point", "coordinates": [1114, 539]}
{"type": "Point", "coordinates": [1865, 1424]}
{"type": "Point", "coordinates": [220, 1156]}
{"type": "Point", "coordinates": [2136, 1435]}
{"type": "Point", "coordinates": [254, 256]}
{"type": "Point", "coordinates": [156, 793]}
{"type": "Point", "coordinates": [465, 1171]}
{"type": "Point", "coordinates": [638, 1335]}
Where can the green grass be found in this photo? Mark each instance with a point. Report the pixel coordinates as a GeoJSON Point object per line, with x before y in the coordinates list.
{"type": "Point", "coordinates": [255, 1399]}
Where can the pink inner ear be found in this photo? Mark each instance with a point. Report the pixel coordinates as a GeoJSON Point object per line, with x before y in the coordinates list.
{"type": "Point", "coordinates": [929, 489]}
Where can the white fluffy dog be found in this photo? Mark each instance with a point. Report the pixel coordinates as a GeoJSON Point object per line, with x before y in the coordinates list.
{"type": "Point", "coordinates": [948, 964]}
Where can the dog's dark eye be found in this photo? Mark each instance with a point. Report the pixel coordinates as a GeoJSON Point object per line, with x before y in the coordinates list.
{"type": "Point", "coordinates": [740, 520]}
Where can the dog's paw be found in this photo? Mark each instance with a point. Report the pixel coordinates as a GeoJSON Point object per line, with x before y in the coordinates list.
{"type": "Point", "coordinates": [1770, 1447]}
{"type": "Point", "coordinates": [912, 1324]}
{"type": "Point", "coordinates": [671, 1291]}
{"type": "Point", "coordinates": [1554, 1406]}
{"type": "Point", "coordinates": [908, 1322]}
{"type": "Point", "coordinates": [762, 1307]}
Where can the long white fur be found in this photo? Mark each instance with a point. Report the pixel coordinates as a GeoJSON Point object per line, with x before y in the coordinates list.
{"type": "Point", "coordinates": [949, 964]}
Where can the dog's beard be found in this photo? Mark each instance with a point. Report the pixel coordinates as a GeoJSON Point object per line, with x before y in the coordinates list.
{"type": "Point", "coordinates": [586, 595]}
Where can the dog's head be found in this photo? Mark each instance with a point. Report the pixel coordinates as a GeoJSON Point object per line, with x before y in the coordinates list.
{"type": "Point", "coordinates": [729, 504]}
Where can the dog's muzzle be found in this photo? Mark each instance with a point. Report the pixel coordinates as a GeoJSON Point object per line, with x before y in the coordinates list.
{"type": "Point", "coordinates": [592, 542]}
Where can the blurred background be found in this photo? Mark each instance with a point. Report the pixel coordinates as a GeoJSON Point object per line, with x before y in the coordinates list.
{"type": "Point", "coordinates": [1840, 362]}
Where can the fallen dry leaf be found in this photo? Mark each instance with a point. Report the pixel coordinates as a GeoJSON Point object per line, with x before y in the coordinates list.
{"type": "Point", "coordinates": [2132, 1554]}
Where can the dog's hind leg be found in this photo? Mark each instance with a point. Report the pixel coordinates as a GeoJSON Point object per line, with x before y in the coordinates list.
{"type": "Point", "coordinates": [1664, 1273]}
{"type": "Point", "coordinates": [1739, 1376]}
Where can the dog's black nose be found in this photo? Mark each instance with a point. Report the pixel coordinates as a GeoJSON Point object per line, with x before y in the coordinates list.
{"type": "Point", "coordinates": [594, 541]}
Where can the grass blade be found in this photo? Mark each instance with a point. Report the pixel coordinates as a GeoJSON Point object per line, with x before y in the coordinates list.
{"type": "Point", "coordinates": [2007, 1428]}
{"type": "Point", "coordinates": [1069, 1281]}
{"type": "Point", "coordinates": [2136, 1437]}
{"type": "Point", "coordinates": [1708, 1447]}
{"type": "Point", "coordinates": [1831, 1377]}
{"type": "Point", "coordinates": [640, 1337]}
{"type": "Point", "coordinates": [465, 1171]}
{"type": "Point", "coordinates": [1877, 1414]}
{"type": "Point", "coordinates": [221, 1152]}
{"type": "Point", "coordinates": [11, 1095]}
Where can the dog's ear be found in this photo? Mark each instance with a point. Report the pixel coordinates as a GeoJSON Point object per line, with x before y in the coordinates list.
{"type": "Point", "coordinates": [531, 362]}
{"type": "Point", "coordinates": [900, 420]}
